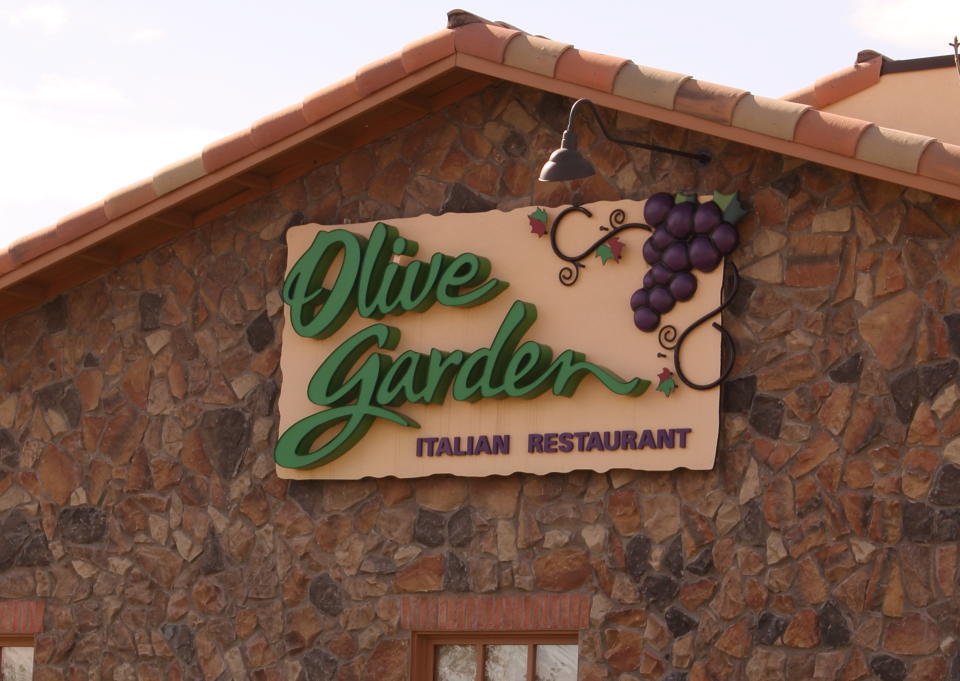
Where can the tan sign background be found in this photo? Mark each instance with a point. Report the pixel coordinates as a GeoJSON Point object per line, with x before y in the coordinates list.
{"type": "Point", "coordinates": [593, 317]}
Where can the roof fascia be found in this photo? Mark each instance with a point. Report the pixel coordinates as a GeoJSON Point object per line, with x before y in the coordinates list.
{"type": "Point", "coordinates": [237, 168]}
{"type": "Point", "coordinates": [708, 127]}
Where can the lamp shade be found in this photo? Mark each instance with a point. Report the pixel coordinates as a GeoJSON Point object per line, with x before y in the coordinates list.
{"type": "Point", "coordinates": [566, 163]}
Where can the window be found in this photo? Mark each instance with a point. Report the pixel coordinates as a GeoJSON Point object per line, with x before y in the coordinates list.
{"type": "Point", "coordinates": [495, 656]}
{"type": "Point", "coordinates": [16, 658]}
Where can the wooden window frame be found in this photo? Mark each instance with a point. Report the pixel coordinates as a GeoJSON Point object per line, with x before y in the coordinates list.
{"type": "Point", "coordinates": [424, 643]}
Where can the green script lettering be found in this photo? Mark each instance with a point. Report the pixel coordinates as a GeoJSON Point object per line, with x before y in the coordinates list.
{"type": "Point", "coordinates": [370, 283]}
{"type": "Point", "coordinates": [357, 397]}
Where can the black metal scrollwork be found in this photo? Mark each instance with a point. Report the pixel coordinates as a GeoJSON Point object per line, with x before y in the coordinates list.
{"type": "Point", "coordinates": [668, 334]}
{"type": "Point", "coordinates": [568, 275]}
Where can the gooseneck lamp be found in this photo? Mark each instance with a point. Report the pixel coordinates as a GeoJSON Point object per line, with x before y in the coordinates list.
{"type": "Point", "coordinates": [566, 163]}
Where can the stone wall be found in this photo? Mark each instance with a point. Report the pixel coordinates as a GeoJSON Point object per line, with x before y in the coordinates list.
{"type": "Point", "coordinates": [138, 497]}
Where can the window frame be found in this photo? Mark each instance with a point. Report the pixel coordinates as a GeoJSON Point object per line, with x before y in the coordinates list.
{"type": "Point", "coordinates": [16, 641]}
{"type": "Point", "coordinates": [424, 644]}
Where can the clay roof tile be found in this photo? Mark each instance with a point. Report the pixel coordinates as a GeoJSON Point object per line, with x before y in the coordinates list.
{"type": "Point", "coordinates": [81, 222]}
{"type": "Point", "coordinates": [380, 73]}
{"type": "Point", "coordinates": [829, 132]}
{"type": "Point", "coordinates": [940, 161]}
{"type": "Point", "coordinates": [324, 102]}
{"type": "Point", "coordinates": [535, 54]}
{"type": "Point", "coordinates": [589, 69]}
{"type": "Point", "coordinates": [178, 174]}
{"type": "Point", "coordinates": [486, 41]}
{"type": "Point", "coordinates": [892, 148]}
{"type": "Point", "coordinates": [427, 50]}
{"type": "Point", "coordinates": [129, 198]}
{"type": "Point", "coordinates": [278, 125]}
{"type": "Point", "coordinates": [227, 150]}
{"type": "Point", "coordinates": [708, 100]}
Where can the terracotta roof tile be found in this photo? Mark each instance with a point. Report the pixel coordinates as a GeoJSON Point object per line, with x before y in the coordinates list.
{"type": "Point", "coordinates": [486, 41]}
{"type": "Point", "coordinates": [427, 50]}
{"type": "Point", "coordinates": [829, 132]}
{"type": "Point", "coordinates": [81, 222]}
{"type": "Point", "coordinates": [708, 100]}
{"type": "Point", "coordinates": [789, 120]}
{"type": "Point", "coordinates": [278, 125]}
{"type": "Point", "coordinates": [840, 84]}
{"type": "Point", "coordinates": [7, 261]}
{"type": "Point", "coordinates": [941, 161]}
{"type": "Point", "coordinates": [129, 198]}
{"type": "Point", "coordinates": [805, 95]}
{"type": "Point", "coordinates": [227, 150]}
{"type": "Point", "coordinates": [380, 73]}
{"type": "Point", "coordinates": [589, 69]}
{"type": "Point", "coordinates": [35, 244]}
{"type": "Point", "coordinates": [648, 85]}
{"type": "Point", "coordinates": [338, 96]}
{"type": "Point", "coordinates": [535, 54]}
{"type": "Point", "coordinates": [892, 148]}
{"type": "Point", "coordinates": [178, 174]}
{"type": "Point", "coordinates": [773, 117]}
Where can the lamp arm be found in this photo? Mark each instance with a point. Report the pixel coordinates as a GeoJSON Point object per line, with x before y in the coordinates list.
{"type": "Point", "coordinates": [702, 158]}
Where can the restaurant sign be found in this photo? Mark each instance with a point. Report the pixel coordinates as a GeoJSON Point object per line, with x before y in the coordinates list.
{"type": "Point", "coordinates": [449, 344]}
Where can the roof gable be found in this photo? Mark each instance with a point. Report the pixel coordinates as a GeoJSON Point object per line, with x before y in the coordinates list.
{"type": "Point", "coordinates": [423, 77]}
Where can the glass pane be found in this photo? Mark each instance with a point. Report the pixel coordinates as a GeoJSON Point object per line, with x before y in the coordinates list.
{"type": "Point", "coordinates": [456, 663]}
{"type": "Point", "coordinates": [506, 663]}
{"type": "Point", "coordinates": [16, 664]}
{"type": "Point", "coordinates": [557, 663]}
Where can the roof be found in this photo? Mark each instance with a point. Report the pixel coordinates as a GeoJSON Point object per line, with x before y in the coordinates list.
{"type": "Point", "coordinates": [425, 76]}
{"type": "Point", "coordinates": [865, 72]}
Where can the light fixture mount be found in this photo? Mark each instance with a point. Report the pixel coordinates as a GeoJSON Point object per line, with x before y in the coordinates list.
{"type": "Point", "coordinates": [567, 163]}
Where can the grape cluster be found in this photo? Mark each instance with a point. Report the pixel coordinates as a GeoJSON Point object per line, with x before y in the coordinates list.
{"type": "Point", "coordinates": [687, 236]}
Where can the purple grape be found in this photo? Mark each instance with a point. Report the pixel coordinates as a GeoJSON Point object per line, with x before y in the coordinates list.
{"type": "Point", "coordinates": [703, 254]}
{"type": "Point", "coordinates": [656, 208]}
{"type": "Point", "coordinates": [650, 252]}
{"type": "Point", "coordinates": [680, 220]}
{"type": "Point", "coordinates": [662, 238]}
{"type": "Point", "coordinates": [639, 298]}
{"type": "Point", "coordinates": [648, 280]}
{"type": "Point", "coordinates": [661, 274]}
{"type": "Point", "coordinates": [724, 237]}
{"type": "Point", "coordinates": [661, 299]}
{"type": "Point", "coordinates": [683, 286]}
{"type": "Point", "coordinates": [707, 217]}
{"type": "Point", "coordinates": [676, 257]}
{"type": "Point", "coordinates": [646, 319]}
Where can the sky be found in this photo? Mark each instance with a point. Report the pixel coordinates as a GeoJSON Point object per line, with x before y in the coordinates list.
{"type": "Point", "coordinates": [97, 94]}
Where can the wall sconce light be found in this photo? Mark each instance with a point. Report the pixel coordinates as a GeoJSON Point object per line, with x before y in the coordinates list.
{"type": "Point", "coordinates": [567, 163]}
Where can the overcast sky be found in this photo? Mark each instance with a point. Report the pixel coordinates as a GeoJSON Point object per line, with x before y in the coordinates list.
{"type": "Point", "coordinates": [97, 94]}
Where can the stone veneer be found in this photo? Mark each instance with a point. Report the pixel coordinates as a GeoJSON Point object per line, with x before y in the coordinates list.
{"type": "Point", "coordinates": [138, 497]}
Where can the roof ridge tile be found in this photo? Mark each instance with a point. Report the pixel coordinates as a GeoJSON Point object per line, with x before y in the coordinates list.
{"type": "Point", "coordinates": [708, 100]}
{"type": "Point", "coordinates": [893, 148]}
{"type": "Point", "coordinates": [589, 69]}
{"type": "Point", "coordinates": [486, 41]}
{"type": "Point", "coordinates": [427, 50]}
{"type": "Point", "coordinates": [830, 132]}
{"type": "Point", "coordinates": [380, 73]}
{"type": "Point", "coordinates": [838, 85]}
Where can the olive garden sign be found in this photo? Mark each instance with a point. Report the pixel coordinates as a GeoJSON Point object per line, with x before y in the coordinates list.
{"type": "Point", "coordinates": [448, 344]}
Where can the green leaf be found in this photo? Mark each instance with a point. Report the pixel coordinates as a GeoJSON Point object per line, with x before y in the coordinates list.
{"type": "Point", "coordinates": [730, 204]}
{"type": "Point", "coordinates": [667, 386]}
{"type": "Point", "coordinates": [540, 214]}
{"type": "Point", "coordinates": [604, 253]}
{"type": "Point", "coordinates": [680, 197]}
